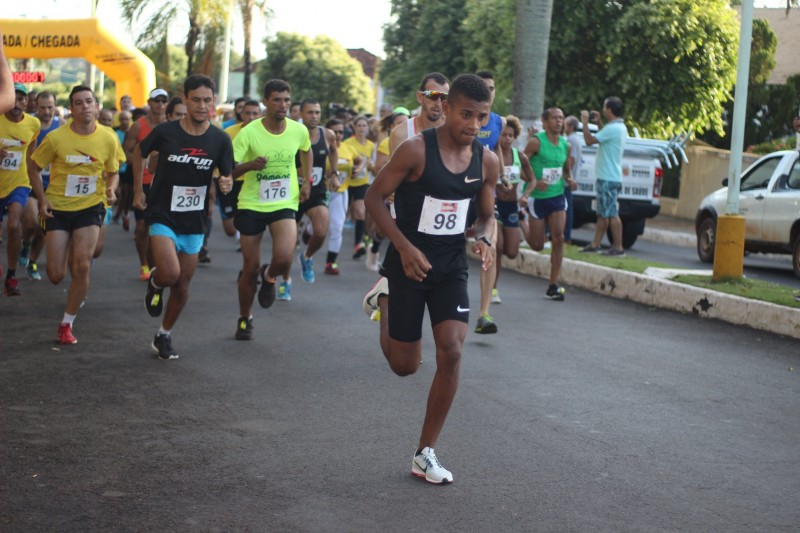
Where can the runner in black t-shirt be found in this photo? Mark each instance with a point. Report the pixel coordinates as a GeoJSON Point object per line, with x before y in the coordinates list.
{"type": "Point", "coordinates": [176, 205]}
{"type": "Point", "coordinates": [434, 177]}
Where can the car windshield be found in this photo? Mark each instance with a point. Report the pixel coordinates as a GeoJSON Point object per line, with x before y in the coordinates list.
{"type": "Point", "coordinates": [758, 177]}
{"type": "Point", "coordinates": [794, 176]}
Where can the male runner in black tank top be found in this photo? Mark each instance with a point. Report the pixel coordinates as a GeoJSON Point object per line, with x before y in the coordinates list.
{"type": "Point", "coordinates": [433, 176]}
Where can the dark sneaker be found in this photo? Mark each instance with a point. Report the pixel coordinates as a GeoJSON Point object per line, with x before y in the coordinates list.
{"type": "Point", "coordinates": [486, 325]}
{"type": "Point", "coordinates": [554, 292]}
{"type": "Point", "coordinates": [332, 269]}
{"type": "Point", "coordinates": [590, 249]}
{"type": "Point", "coordinates": [24, 254]}
{"type": "Point", "coordinates": [359, 251]}
{"type": "Point", "coordinates": [266, 294]}
{"type": "Point", "coordinates": [162, 346]}
{"type": "Point", "coordinates": [153, 300]}
{"type": "Point", "coordinates": [244, 329]}
{"type": "Point", "coordinates": [11, 287]}
{"type": "Point", "coordinates": [613, 252]}
{"type": "Point", "coordinates": [203, 256]}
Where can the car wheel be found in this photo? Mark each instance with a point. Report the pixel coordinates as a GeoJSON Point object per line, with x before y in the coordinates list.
{"type": "Point", "coordinates": [706, 236]}
{"type": "Point", "coordinates": [796, 256]}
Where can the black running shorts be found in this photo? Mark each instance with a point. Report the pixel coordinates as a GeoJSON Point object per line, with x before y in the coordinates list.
{"type": "Point", "coordinates": [447, 300]}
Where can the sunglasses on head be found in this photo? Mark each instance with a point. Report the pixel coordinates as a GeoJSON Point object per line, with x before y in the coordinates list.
{"type": "Point", "coordinates": [434, 95]}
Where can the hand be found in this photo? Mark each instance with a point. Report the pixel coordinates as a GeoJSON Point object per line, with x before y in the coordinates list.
{"type": "Point", "coordinates": [139, 200]}
{"type": "Point", "coordinates": [415, 264]}
{"type": "Point", "coordinates": [225, 184]}
{"type": "Point", "coordinates": [584, 116]}
{"type": "Point", "coordinates": [3, 153]}
{"type": "Point", "coordinates": [541, 185]}
{"type": "Point", "coordinates": [572, 184]}
{"type": "Point", "coordinates": [485, 252]}
{"type": "Point", "coordinates": [258, 163]}
{"type": "Point", "coordinates": [305, 190]}
{"type": "Point", "coordinates": [111, 196]}
{"type": "Point", "coordinates": [45, 208]}
{"type": "Point", "coordinates": [523, 201]}
{"type": "Point", "coordinates": [504, 182]}
{"type": "Point", "coordinates": [334, 183]}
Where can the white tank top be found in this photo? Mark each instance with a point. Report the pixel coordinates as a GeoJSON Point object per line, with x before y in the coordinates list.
{"type": "Point", "coordinates": [412, 127]}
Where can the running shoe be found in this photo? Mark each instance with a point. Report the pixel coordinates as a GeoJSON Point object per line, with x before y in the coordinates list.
{"type": "Point", "coordinates": [486, 325]}
{"type": "Point", "coordinates": [359, 251]}
{"type": "Point", "coordinates": [496, 297]}
{"type": "Point", "coordinates": [162, 346]}
{"type": "Point", "coordinates": [307, 265]}
{"type": "Point", "coordinates": [554, 292]}
{"type": "Point", "coordinates": [11, 287]}
{"type": "Point", "coordinates": [427, 466]}
{"type": "Point", "coordinates": [370, 300]}
{"type": "Point", "coordinates": [203, 256]}
{"type": "Point", "coordinates": [153, 301]}
{"type": "Point", "coordinates": [372, 261]}
{"type": "Point", "coordinates": [244, 329]}
{"type": "Point", "coordinates": [332, 269]}
{"type": "Point", "coordinates": [590, 249]}
{"type": "Point", "coordinates": [285, 290]}
{"type": "Point", "coordinates": [24, 254]}
{"type": "Point", "coordinates": [613, 252]}
{"type": "Point", "coordinates": [65, 335]}
{"type": "Point", "coordinates": [144, 273]}
{"type": "Point", "coordinates": [33, 271]}
{"type": "Point", "coordinates": [266, 294]}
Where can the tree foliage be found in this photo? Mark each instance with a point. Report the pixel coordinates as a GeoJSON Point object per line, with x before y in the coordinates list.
{"type": "Point", "coordinates": [317, 68]}
{"type": "Point", "coordinates": [762, 54]}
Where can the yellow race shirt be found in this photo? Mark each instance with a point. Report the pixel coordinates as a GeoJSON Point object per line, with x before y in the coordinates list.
{"type": "Point", "coordinates": [78, 163]}
{"type": "Point", "coordinates": [347, 158]}
{"type": "Point", "coordinates": [364, 150]}
{"type": "Point", "coordinates": [274, 187]}
{"type": "Point", "coordinates": [234, 130]}
{"type": "Point", "coordinates": [16, 139]}
{"type": "Point", "coordinates": [383, 147]}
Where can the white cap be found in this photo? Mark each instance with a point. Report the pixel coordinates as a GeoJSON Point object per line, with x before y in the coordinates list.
{"type": "Point", "coordinates": [155, 93]}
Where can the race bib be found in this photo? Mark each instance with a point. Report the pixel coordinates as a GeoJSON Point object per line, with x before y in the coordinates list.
{"type": "Point", "coordinates": [443, 217]}
{"type": "Point", "coordinates": [11, 161]}
{"type": "Point", "coordinates": [188, 198]}
{"type": "Point", "coordinates": [551, 175]}
{"type": "Point", "coordinates": [316, 176]}
{"type": "Point", "coordinates": [270, 191]}
{"type": "Point", "coordinates": [80, 185]}
{"type": "Point", "coordinates": [513, 174]}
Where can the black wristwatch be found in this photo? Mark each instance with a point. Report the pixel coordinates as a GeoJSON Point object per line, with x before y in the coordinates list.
{"type": "Point", "coordinates": [484, 240]}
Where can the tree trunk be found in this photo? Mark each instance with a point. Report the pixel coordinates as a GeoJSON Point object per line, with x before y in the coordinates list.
{"type": "Point", "coordinates": [530, 61]}
{"type": "Point", "coordinates": [247, 23]}
{"type": "Point", "coordinates": [191, 43]}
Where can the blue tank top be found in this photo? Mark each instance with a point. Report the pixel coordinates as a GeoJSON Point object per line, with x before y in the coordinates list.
{"type": "Point", "coordinates": [490, 133]}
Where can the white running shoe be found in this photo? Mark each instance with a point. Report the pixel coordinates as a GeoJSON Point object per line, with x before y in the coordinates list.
{"type": "Point", "coordinates": [370, 301]}
{"type": "Point", "coordinates": [496, 297]}
{"type": "Point", "coordinates": [372, 261]}
{"type": "Point", "coordinates": [426, 465]}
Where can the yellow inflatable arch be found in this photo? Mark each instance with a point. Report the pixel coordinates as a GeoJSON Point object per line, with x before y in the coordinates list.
{"type": "Point", "coordinates": [132, 71]}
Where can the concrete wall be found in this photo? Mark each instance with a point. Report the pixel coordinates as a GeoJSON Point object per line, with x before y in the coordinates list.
{"type": "Point", "coordinates": [703, 175]}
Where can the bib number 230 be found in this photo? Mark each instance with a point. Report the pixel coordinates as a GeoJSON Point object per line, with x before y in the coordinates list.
{"type": "Point", "coordinates": [188, 198]}
{"type": "Point", "coordinates": [443, 217]}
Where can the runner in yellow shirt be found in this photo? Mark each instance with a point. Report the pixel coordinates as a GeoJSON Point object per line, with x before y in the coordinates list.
{"type": "Point", "coordinates": [18, 132]}
{"type": "Point", "coordinates": [359, 183]}
{"type": "Point", "coordinates": [84, 159]}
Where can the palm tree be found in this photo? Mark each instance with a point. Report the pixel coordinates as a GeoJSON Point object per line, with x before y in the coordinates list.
{"type": "Point", "coordinates": [530, 61]}
{"type": "Point", "coordinates": [156, 16]}
{"type": "Point", "coordinates": [248, 9]}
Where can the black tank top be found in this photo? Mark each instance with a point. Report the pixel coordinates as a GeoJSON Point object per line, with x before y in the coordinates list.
{"type": "Point", "coordinates": [320, 153]}
{"type": "Point", "coordinates": [432, 212]}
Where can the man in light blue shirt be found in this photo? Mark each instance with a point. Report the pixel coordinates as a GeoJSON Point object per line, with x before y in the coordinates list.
{"type": "Point", "coordinates": [608, 172]}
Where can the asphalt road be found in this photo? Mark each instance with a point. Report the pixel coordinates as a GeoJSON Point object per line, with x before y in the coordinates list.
{"type": "Point", "coordinates": [774, 268]}
{"type": "Point", "coordinates": [589, 415]}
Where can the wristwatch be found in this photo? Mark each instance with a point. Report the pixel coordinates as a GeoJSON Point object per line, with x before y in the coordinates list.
{"type": "Point", "coordinates": [484, 240]}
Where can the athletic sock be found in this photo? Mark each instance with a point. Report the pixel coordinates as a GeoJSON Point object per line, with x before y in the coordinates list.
{"type": "Point", "coordinates": [12, 272]}
{"type": "Point", "coordinates": [332, 257]}
{"type": "Point", "coordinates": [376, 244]}
{"type": "Point", "coordinates": [162, 331]}
{"type": "Point", "coordinates": [68, 319]}
{"type": "Point", "coordinates": [359, 231]}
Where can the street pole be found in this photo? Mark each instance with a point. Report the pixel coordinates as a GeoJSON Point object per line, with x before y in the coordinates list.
{"type": "Point", "coordinates": [226, 57]}
{"type": "Point", "coordinates": [729, 240]}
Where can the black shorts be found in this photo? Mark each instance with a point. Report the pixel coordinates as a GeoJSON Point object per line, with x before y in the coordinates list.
{"type": "Point", "coordinates": [72, 220]}
{"type": "Point", "coordinates": [255, 222]}
{"type": "Point", "coordinates": [126, 176]}
{"type": "Point", "coordinates": [447, 300]}
{"type": "Point", "coordinates": [318, 198]}
{"type": "Point", "coordinates": [227, 202]}
{"type": "Point", "coordinates": [138, 214]}
{"type": "Point", "coordinates": [357, 193]}
{"type": "Point", "coordinates": [507, 213]}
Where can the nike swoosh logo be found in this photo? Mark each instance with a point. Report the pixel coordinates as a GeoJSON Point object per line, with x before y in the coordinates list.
{"type": "Point", "coordinates": [462, 310]}
{"type": "Point", "coordinates": [471, 180]}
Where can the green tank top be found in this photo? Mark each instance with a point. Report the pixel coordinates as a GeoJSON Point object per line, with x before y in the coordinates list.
{"type": "Point", "coordinates": [548, 165]}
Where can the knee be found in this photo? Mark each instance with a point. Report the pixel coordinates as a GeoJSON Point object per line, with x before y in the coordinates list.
{"type": "Point", "coordinates": [55, 277]}
{"type": "Point", "coordinates": [557, 238]}
{"type": "Point", "coordinates": [511, 254]}
{"type": "Point", "coordinates": [448, 356]}
{"type": "Point", "coordinates": [404, 368]}
{"type": "Point", "coordinates": [537, 245]}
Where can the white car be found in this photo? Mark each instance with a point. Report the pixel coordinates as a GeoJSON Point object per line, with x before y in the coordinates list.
{"type": "Point", "coordinates": [769, 200]}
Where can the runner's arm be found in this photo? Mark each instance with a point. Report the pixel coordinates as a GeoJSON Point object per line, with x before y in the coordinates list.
{"type": "Point", "coordinates": [243, 168]}
{"type": "Point", "coordinates": [137, 163]}
{"type": "Point", "coordinates": [306, 162]}
{"type": "Point", "coordinates": [35, 177]}
{"type": "Point", "coordinates": [333, 159]}
{"type": "Point", "coordinates": [112, 180]}
{"type": "Point", "coordinates": [397, 136]}
{"type": "Point", "coordinates": [130, 141]}
{"type": "Point", "coordinates": [7, 95]}
{"type": "Point", "coordinates": [485, 225]}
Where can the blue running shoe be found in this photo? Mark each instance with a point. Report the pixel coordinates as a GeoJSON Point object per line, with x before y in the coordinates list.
{"type": "Point", "coordinates": [285, 290]}
{"type": "Point", "coordinates": [24, 254]}
{"type": "Point", "coordinates": [308, 268]}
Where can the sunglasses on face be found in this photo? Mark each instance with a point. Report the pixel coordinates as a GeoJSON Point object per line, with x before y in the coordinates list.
{"type": "Point", "coordinates": [434, 95]}
{"type": "Point", "coordinates": [160, 100]}
{"type": "Point", "coordinates": [338, 132]}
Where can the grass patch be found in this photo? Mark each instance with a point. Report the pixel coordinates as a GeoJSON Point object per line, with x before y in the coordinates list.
{"type": "Point", "coordinates": [746, 288]}
{"type": "Point", "coordinates": [627, 263]}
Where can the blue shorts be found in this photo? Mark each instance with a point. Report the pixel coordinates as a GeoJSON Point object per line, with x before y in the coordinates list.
{"type": "Point", "coordinates": [541, 208]}
{"type": "Point", "coordinates": [184, 244]}
{"type": "Point", "coordinates": [19, 195]}
{"type": "Point", "coordinates": [607, 192]}
{"type": "Point", "coordinates": [507, 213]}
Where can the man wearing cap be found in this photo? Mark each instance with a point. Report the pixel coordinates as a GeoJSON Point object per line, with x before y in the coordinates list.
{"type": "Point", "coordinates": [157, 113]}
{"type": "Point", "coordinates": [18, 132]}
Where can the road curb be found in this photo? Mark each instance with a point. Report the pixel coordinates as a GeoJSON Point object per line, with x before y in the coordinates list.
{"type": "Point", "coordinates": [664, 294]}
